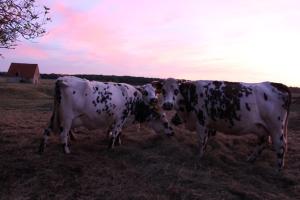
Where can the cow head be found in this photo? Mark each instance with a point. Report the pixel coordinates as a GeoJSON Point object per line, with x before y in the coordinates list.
{"type": "Point", "coordinates": [149, 94]}
{"type": "Point", "coordinates": [161, 124]}
{"type": "Point", "coordinates": [170, 91]}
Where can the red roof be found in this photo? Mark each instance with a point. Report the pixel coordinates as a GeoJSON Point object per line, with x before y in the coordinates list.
{"type": "Point", "coordinates": [23, 70]}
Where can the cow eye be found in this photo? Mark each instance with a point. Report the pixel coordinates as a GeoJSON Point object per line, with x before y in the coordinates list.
{"type": "Point", "coordinates": [176, 92]}
{"type": "Point", "coordinates": [145, 93]}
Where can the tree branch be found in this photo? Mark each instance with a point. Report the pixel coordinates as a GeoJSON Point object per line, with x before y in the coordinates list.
{"type": "Point", "coordinates": [21, 18]}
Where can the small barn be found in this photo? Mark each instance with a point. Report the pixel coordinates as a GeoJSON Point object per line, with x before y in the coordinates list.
{"type": "Point", "coordinates": [24, 73]}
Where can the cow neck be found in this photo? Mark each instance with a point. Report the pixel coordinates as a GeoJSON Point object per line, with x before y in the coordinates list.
{"type": "Point", "coordinates": [188, 92]}
{"type": "Point", "coordinates": [144, 112]}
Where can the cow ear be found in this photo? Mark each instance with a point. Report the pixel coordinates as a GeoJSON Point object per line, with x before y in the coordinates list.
{"type": "Point", "coordinates": [180, 81]}
{"type": "Point", "coordinates": [184, 86]}
{"type": "Point", "coordinates": [158, 85]}
{"type": "Point", "coordinates": [139, 88]}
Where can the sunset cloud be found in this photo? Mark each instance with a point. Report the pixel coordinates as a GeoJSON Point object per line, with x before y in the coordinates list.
{"type": "Point", "coordinates": [234, 40]}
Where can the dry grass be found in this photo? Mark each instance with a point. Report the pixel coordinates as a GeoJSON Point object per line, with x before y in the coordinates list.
{"type": "Point", "coordinates": [146, 166]}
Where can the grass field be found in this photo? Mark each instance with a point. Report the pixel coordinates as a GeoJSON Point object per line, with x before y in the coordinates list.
{"type": "Point", "coordinates": [146, 166]}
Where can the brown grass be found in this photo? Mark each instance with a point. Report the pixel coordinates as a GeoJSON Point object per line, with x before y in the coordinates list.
{"type": "Point", "coordinates": [146, 166]}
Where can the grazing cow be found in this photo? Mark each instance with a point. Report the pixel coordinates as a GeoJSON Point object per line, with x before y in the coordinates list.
{"type": "Point", "coordinates": [236, 108]}
{"type": "Point", "coordinates": [91, 104]}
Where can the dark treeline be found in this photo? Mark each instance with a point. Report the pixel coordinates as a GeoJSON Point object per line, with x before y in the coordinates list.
{"type": "Point", "coordinates": [119, 79]}
{"type": "Point", "coordinates": [107, 78]}
{"type": "Point", "coordinates": [295, 89]}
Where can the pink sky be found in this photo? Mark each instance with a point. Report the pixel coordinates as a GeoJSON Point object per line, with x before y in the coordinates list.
{"type": "Point", "coordinates": [234, 40]}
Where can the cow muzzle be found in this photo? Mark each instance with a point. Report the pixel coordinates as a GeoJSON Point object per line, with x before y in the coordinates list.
{"type": "Point", "coordinates": [153, 101]}
{"type": "Point", "coordinates": [168, 106]}
{"type": "Point", "coordinates": [170, 134]}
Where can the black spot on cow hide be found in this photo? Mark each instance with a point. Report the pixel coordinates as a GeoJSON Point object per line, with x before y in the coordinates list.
{"type": "Point", "coordinates": [190, 98]}
{"type": "Point", "coordinates": [142, 111]}
{"type": "Point", "coordinates": [176, 120]}
{"type": "Point", "coordinates": [248, 107]}
{"type": "Point", "coordinates": [223, 101]}
{"type": "Point", "coordinates": [284, 93]}
{"type": "Point", "coordinates": [57, 92]}
{"type": "Point", "coordinates": [281, 137]}
{"type": "Point", "coordinates": [265, 97]}
{"type": "Point", "coordinates": [201, 117]}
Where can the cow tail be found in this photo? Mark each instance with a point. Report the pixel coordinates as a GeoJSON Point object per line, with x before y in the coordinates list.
{"type": "Point", "coordinates": [288, 105]}
{"type": "Point", "coordinates": [55, 118]}
{"type": "Point", "coordinates": [287, 99]}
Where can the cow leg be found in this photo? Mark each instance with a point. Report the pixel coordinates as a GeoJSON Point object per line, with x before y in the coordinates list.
{"type": "Point", "coordinates": [203, 137]}
{"type": "Point", "coordinates": [72, 136]}
{"type": "Point", "coordinates": [44, 141]}
{"type": "Point", "coordinates": [138, 127]}
{"type": "Point", "coordinates": [115, 136]}
{"type": "Point", "coordinates": [212, 133]}
{"type": "Point", "coordinates": [279, 145]}
{"type": "Point", "coordinates": [262, 143]}
{"type": "Point", "coordinates": [115, 139]}
{"type": "Point", "coordinates": [118, 139]}
{"type": "Point", "coordinates": [64, 134]}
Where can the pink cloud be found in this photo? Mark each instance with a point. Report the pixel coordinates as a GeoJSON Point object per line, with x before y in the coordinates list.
{"type": "Point", "coordinates": [29, 50]}
{"type": "Point", "coordinates": [232, 40]}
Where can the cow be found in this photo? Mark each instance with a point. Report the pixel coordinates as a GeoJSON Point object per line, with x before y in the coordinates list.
{"type": "Point", "coordinates": [92, 104]}
{"type": "Point", "coordinates": [235, 108]}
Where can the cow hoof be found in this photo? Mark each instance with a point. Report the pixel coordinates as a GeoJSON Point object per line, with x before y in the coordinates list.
{"type": "Point", "coordinates": [278, 171]}
{"type": "Point", "coordinates": [66, 149]}
{"type": "Point", "coordinates": [111, 143]}
{"type": "Point", "coordinates": [251, 159]}
{"type": "Point", "coordinates": [73, 137]}
{"type": "Point", "coordinates": [170, 134]}
{"type": "Point", "coordinates": [201, 155]}
{"type": "Point", "coordinates": [119, 142]}
{"type": "Point", "coordinates": [41, 150]}
{"type": "Point", "coordinates": [42, 147]}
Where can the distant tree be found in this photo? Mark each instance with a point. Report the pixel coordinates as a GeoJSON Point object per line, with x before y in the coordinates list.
{"type": "Point", "coordinates": [21, 18]}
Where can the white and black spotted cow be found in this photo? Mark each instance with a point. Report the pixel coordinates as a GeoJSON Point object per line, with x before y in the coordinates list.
{"type": "Point", "coordinates": [233, 108]}
{"type": "Point", "coordinates": [91, 104]}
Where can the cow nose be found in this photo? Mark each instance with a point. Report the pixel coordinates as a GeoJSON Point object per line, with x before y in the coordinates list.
{"type": "Point", "coordinates": [167, 106]}
{"type": "Point", "coordinates": [153, 101]}
{"type": "Point", "coordinates": [171, 134]}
